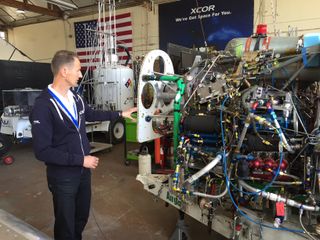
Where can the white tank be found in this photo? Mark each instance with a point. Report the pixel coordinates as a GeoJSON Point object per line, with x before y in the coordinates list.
{"type": "Point", "coordinates": [144, 161]}
{"type": "Point", "coordinates": [114, 88]}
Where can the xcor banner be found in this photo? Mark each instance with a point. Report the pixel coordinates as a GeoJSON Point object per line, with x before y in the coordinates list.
{"type": "Point", "coordinates": [195, 23]}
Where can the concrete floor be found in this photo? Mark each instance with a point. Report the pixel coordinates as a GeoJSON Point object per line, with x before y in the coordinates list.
{"type": "Point", "coordinates": [120, 208]}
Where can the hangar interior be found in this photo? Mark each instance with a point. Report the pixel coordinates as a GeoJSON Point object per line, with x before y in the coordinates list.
{"type": "Point", "coordinates": [223, 143]}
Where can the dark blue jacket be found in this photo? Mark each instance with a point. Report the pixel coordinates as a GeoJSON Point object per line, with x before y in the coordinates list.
{"type": "Point", "coordinates": [56, 139]}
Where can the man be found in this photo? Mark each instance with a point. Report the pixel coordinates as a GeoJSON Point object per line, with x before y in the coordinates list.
{"type": "Point", "coordinates": [60, 140]}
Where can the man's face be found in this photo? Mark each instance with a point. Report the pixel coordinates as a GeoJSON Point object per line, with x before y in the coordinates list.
{"type": "Point", "coordinates": [73, 73]}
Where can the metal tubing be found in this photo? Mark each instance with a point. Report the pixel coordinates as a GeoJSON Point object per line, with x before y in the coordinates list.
{"type": "Point", "coordinates": [211, 196]}
{"type": "Point", "coordinates": [278, 198]}
{"type": "Point", "coordinates": [204, 170]}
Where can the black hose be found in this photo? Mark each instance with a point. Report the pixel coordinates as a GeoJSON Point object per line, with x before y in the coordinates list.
{"type": "Point", "coordinates": [127, 52]}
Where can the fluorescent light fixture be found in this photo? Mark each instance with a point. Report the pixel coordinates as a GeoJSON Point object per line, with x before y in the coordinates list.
{"type": "Point", "coordinates": [20, 11]}
{"type": "Point", "coordinates": [63, 4]}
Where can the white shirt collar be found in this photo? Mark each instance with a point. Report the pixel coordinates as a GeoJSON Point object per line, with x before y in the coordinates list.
{"type": "Point", "coordinates": [69, 102]}
{"type": "Point", "coordinates": [62, 98]}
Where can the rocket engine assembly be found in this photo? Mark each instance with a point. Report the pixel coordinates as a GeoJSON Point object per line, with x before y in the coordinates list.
{"type": "Point", "coordinates": [245, 125]}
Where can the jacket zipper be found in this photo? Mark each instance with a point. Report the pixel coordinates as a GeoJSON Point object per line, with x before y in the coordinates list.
{"type": "Point", "coordinates": [81, 144]}
{"type": "Point", "coordinates": [80, 141]}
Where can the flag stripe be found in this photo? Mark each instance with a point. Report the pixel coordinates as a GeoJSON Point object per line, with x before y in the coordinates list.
{"type": "Point", "coordinates": [118, 22]}
{"type": "Point", "coordinates": [84, 54]}
{"type": "Point", "coordinates": [96, 55]}
{"type": "Point", "coordinates": [98, 59]}
{"type": "Point", "coordinates": [91, 65]}
{"type": "Point", "coordinates": [124, 24]}
{"type": "Point", "coordinates": [118, 16]}
{"type": "Point", "coordinates": [124, 33]}
{"type": "Point", "coordinates": [83, 51]}
{"type": "Point", "coordinates": [119, 29]}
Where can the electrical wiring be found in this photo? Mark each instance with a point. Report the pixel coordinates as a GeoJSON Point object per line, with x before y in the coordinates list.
{"type": "Point", "coordinates": [228, 185]}
{"type": "Point", "coordinates": [276, 173]}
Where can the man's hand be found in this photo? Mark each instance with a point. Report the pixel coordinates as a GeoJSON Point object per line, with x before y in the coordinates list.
{"type": "Point", "coordinates": [127, 113]}
{"type": "Point", "coordinates": [90, 162]}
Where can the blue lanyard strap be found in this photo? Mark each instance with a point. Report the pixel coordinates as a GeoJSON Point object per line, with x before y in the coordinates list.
{"type": "Point", "coordinates": [75, 121]}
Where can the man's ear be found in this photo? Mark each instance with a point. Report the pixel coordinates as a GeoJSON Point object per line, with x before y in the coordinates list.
{"type": "Point", "coordinates": [63, 71]}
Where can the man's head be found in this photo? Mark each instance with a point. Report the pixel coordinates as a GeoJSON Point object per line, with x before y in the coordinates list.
{"type": "Point", "coordinates": [65, 65]}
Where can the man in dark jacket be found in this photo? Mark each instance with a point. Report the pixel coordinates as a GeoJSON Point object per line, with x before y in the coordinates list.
{"type": "Point", "coordinates": [60, 140]}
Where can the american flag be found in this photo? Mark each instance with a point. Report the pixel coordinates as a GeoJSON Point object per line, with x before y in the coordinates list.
{"type": "Point", "coordinates": [87, 39]}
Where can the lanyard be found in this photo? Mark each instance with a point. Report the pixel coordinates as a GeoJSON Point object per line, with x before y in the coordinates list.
{"type": "Point", "coordinates": [75, 121]}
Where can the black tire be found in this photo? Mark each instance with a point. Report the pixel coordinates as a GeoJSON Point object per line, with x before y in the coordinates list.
{"type": "Point", "coordinates": [5, 144]}
{"type": "Point", "coordinates": [116, 130]}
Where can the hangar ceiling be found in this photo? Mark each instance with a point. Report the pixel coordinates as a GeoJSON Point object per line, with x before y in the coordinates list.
{"type": "Point", "coordinates": [14, 13]}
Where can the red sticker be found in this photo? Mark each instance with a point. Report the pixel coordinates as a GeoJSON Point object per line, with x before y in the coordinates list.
{"type": "Point", "coordinates": [280, 212]}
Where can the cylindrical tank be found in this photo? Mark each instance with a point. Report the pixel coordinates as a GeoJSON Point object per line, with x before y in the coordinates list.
{"type": "Point", "coordinates": [114, 88]}
{"type": "Point", "coordinates": [284, 46]}
{"type": "Point", "coordinates": [144, 161]}
{"type": "Point", "coordinates": [281, 45]}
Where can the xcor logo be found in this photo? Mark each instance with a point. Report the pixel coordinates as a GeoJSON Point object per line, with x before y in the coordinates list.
{"type": "Point", "coordinates": [202, 9]}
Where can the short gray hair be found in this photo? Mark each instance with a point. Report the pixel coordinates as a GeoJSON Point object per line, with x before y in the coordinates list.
{"type": "Point", "coordinates": [60, 58]}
